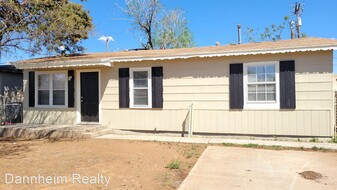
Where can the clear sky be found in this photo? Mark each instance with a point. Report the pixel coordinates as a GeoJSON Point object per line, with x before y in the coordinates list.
{"type": "Point", "coordinates": [211, 20]}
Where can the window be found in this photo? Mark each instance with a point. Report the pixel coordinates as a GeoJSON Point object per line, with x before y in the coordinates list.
{"type": "Point", "coordinates": [51, 89]}
{"type": "Point", "coordinates": [261, 85]}
{"type": "Point", "coordinates": [140, 88]}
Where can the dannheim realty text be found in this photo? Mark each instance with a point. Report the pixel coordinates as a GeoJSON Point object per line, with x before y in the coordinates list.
{"type": "Point", "coordinates": [75, 178]}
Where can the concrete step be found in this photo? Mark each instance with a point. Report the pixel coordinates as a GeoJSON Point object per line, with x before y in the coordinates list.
{"type": "Point", "coordinates": [98, 133]}
{"type": "Point", "coordinates": [90, 128]}
{"type": "Point", "coordinates": [37, 131]}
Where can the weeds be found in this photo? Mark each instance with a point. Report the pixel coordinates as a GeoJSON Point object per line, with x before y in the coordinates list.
{"type": "Point", "coordinates": [314, 140]}
{"type": "Point", "coordinates": [275, 147]}
{"type": "Point", "coordinates": [192, 152]}
{"type": "Point", "coordinates": [173, 165]}
{"type": "Point", "coordinates": [228, 144]}
{"type": "Point", "coordinates": [250, 145]}
{"type": "Point", "coordinates": [315, 148]}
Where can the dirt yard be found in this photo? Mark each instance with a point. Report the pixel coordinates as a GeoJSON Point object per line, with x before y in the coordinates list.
{"type": "Point", "coordinates": [129, 164]}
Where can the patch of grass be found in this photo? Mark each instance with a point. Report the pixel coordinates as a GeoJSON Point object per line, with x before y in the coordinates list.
{"type": "Point", "coordinates": [314, 140]}
{"type": "Point", "coordinates": [173, 165]}
{"type": "Point", "coordinates": [250, 145]}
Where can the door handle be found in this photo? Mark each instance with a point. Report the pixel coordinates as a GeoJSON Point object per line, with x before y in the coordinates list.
{"type": "Point", "coordinates": [81, 98]}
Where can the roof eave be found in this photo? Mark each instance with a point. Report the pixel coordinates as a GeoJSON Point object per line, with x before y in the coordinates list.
{"type": "Point", "coordinates": [64, 64]}
{"type": "Point", "coordinates": [109, 61]}
{"type": "Point", "coordinates": [220, 54]}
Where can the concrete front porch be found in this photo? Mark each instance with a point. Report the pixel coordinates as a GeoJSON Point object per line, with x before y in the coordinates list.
{"type": "Point", "coordinates": [38, 131]}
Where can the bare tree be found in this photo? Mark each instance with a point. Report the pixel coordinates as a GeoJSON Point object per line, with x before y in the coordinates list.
{"type": "Point", "coordinates": [143, 14]}
{"type": "Point", "coordinates": [270, 33]}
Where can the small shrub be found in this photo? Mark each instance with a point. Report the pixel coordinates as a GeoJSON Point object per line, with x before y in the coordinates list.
{"type": "Point", "coordinates": [173, 165]}
{"type": "Point", "coordinates": [314, 140]}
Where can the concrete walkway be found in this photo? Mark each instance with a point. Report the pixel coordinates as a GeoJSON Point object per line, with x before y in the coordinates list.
{"type": "Point", "coordinates": [243, 168]}
{"type": "Point", "coordinates": [217, 140]}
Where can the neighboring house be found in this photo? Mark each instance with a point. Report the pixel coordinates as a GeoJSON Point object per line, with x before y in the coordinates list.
{"type": "Point", "coordinates": [10, 77]}
{"type": "Point", "coordinates": [282, 88]}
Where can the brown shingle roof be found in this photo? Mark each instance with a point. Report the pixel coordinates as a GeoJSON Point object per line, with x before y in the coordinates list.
{"type": "Point", "coordinates": [272, 47]}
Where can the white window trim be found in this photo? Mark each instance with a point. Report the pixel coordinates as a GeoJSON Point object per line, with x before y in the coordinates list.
{"type": "Point", "coordinates": [131, 90]}
{"type": "Point", "coordinates": [50, 89]}
{"type": "Point", "coordinates": [261, 105]}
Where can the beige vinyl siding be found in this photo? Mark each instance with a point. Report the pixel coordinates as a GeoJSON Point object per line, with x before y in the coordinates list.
{"type": "Point", "coordinates": [205, 83]}
{"type": "Point", "coordinates": [32, 115]}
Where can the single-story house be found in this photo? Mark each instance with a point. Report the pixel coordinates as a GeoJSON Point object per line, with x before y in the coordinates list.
{"type": "Point", "coordinates": [282, 88]}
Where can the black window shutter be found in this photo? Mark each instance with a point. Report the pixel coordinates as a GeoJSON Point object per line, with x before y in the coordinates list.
{"type": "Point", "coordinates": [124, 96]}
{"type": "Point", "coordinates": [236, 86]}
{"type": "Point", "coordinates": [157, 87]}
{"type": "Point", "coordinates": [71, 89]}
{"type": "Point", "coordinates": [287, 85]}
{"type": "Point", "coordinates": [31, 79]}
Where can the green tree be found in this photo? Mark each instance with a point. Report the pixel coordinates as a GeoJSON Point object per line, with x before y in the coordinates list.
{"type": "Point", "coordinates": [172, 31]}
{"type": "Point", "coordinates": [37, 26]}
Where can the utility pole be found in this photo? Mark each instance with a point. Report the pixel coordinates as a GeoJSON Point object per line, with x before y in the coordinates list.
{"type": "Point", "coordinates": [298, 10]}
